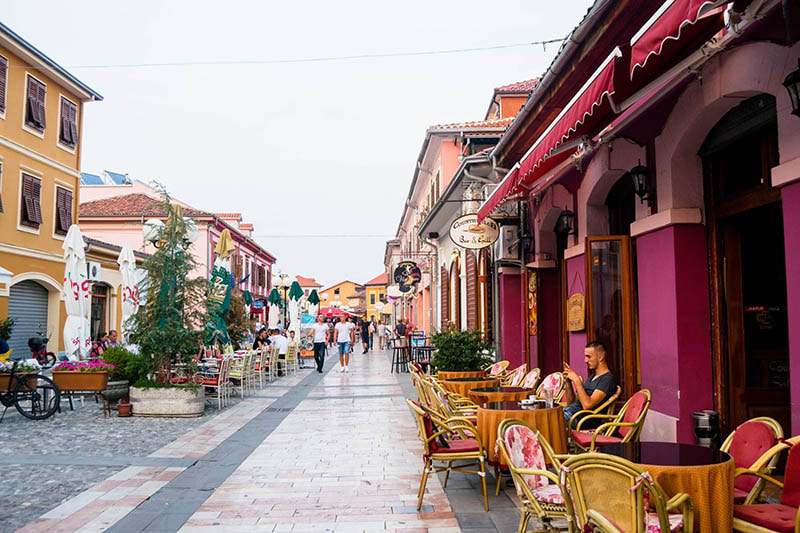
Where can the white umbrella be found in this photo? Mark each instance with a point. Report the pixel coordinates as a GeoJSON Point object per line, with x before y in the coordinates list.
{"type": "Point", "coordinates": [294, 315]}
{"type": "Point", "coordinates": [77, 338]}
{"type": "Point", "coordinates": [130, 287]}
{"type": "Point", "coordinates": [273, 316]}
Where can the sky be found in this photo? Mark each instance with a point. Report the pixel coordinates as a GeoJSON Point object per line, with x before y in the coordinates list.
{"type": "Point", "coordinates": [318, 155]}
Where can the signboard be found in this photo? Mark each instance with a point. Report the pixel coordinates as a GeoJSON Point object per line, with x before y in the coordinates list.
{"type": "Point", "coordinates": [467, 233]}
{"type": "Point", "coordinates": [406, 275]}
{"type": "Point", "coordinates": [576, 312]}
{"type": "Point", "coordinates": [532, 302]}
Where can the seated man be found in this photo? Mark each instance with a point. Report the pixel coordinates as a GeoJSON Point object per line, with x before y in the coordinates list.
{"type": "Point", "coordinates": [599, 385]}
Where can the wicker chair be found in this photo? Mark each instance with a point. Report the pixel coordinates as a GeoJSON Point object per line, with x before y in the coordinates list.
{"type": "Point", "coordinates": [526, 452]}
{"type": "Point", "coordinates": [496, 370]}
{"type": "Point", "coordinates": [274, 353]}
{"type": "Point", "coordinates": [435, 450]}
{"type": "Point", "coordinates": [773, 517]}
{"type": "Point", "coordinates": [612, 494]}
{"type": "Point", "coordinates": [238, 373]}
{"type": "Point", "coordinates": [216, 383]}
{"type": "Point", "coordinates": [608, 403]}
{"type": "Point", "coordinates": [556, 383]}
{"type": "Point", "coordinates": [627, 425]}
{"type": "Point", "coordinates": [531, 379]}
{"type": "Point", "coordinates": [746, 444]}
{"type": "Point", "coordinates": [515, 377]}
{"type": "Point", "coordinates": [262, 362]}
{"type": "Point", "coordinates": [292, 365]}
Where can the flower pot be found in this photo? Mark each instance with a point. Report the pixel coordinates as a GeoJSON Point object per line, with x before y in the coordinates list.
{"type": "Point", "coordinates": [115, 391]}
{"type": "Point", "coordinates": [5, 378]}
{"type": "Point", "coordinates": [123, 409]}
{"type": "Point", "coordinates": [168, 402]}
{"type": "Point", "coordinates": [75, 380]}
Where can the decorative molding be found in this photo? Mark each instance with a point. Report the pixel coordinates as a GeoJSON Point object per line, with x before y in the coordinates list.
{"type": "Point", "coordinates": [53, 285]}
{"type": "Point", "coordinates": [8, 143]}
{"type": "Point", "coordinates": [509, 270]}
{"type": "Point", "coordinates": [542, 263]}
{"type": "Point", "coordinates": [575, 251]}
{"type": "Point", "coordinates": [28, 252]}
{"type": "Point", "coordinates": [786, 173]}
{"type": "Point", "coordinates": [664, 219]}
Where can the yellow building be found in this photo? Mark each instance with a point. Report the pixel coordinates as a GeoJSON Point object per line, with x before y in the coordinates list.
{"type": "Point", "coordinates": [41, 112]}
{"type": "Point", "coordinates": [339, 295]}
{"type": "Point", "coordinates": [376, 292]}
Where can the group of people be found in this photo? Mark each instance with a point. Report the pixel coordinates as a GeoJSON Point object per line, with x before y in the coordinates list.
{"type": "Point", "coordinates": [103, 341]}
{"type": "Point", "coordinates": [275, 337]}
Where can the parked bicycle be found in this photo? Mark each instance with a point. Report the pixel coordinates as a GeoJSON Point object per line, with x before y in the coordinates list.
{"type": "Point", "coordinates": [35, 396]}
{"type": "Point", "coordinates": [38, 346]}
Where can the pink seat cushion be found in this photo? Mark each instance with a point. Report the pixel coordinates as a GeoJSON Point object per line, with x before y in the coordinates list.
{"type": "Point", "coordinates": [211, 381]}
{"type": "Point", "coordinates": [455, 446]}
{"type": "Point", "coordinates": [635, 408]}
{"type": "Point", "coordinates": [749, 443]}
{"type": "Point", "coordinates": [791, 481]}
{"type": "Point", "coordinates": [525, 451]}
{"type": "Point", "coordinates": [584, 438]}
{"type": "Point", "coordinates": [774, 516]}
{"type": "Point", "coordinates": [739, 495]}
{"type": "Point", "coordinates": [675, 522]}
{"type": "Point", "coordinates": [549, 494]}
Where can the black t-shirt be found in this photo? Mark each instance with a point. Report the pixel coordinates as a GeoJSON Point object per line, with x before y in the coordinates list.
{"type": "Point", "coordinates": [258, 342]}
{"type": "Point", "coordinates": [401, 329]}
{"type": "Point", "coordinates": [605, 383]}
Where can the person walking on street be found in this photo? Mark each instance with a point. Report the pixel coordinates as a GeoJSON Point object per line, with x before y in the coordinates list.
{"type": "Point", "coordinates": [381, 335]}
{"type": "Point", "coordinates": [319, 333]}
{"type": "Point", "coordinates": [364, 336]}
{"type": "Point", "coordinates": [283, 344]}
{"type": "Point", "coordinates": [371, 326]}
{"type": "Point", "coordinates": [331, 324]}
{"type": "Point", "coordinates": [343, 336]}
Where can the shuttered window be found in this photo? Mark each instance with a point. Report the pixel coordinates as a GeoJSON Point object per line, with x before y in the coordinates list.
{"type": "Point", "coordinates": [63, 210]}
{"type": "Point", "coordinates": [444, 285]}
{"type": "Point", "coordinates": [31, 212]}
{"type": "Point", "coordinates": [3, 82]}
{"type": "Point", "coordinates": [237, 267]}
{"type": "Point", "coordinates": [471, 267]}
{"type": "Point", "coordinates": [35, 109]}
{"type": "Point", "coordinates": [69, 121]}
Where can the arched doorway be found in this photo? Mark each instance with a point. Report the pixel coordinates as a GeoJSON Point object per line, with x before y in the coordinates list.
{"type": "Point", "coordinates": [747, 264]}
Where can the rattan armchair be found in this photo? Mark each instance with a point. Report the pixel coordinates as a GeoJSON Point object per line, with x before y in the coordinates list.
{"type": "Point", "coordinates": [531, 379]}
{"type": "Point", "coordinates": [554, 382]}
{"type": "Point", "coordinates": [607, 403]}
{"type": "Point", "coordinates": [515, 377]}
{"type": "Point", "coordinates": [439, 448]}
{"type": "Point", "coordinates": [622, 427]}
{"type": "Point", "coordinates": [608, 493]}
{"type": "Point", "coordinates": [496, 370]}
{"type": "Point", "coordinates": [747, 444]}
{"type": "Point", "coordinates": [526, 453]}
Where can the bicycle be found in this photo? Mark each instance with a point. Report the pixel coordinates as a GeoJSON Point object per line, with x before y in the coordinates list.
{"type": "Point", "coordinates": [35, 396]}
{"type": "Point", "coordinates": [38, 346]}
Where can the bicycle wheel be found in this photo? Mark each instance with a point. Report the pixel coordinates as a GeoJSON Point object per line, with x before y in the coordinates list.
{"type": "Point", "coordinates": [36, 397]}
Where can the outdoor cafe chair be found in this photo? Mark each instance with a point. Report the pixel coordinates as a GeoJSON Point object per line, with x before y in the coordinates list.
{"type": "Point", "coordinates": [554, 382]}
{"type": "Point", "coordinates": [496, 370]}
{"type": "Point", "coordinates": [515, 377]}
{"type": "Point", "coordinates": [439, 446]}
{"type": "Point", "coordinates": [252, 377]}
{"type": "Point", "coordinates": [238, 373]}
{"type": "Point", "coordinates": [531, 379]}
{"type": "Point", "coordinates": [215, 382]}
{"type": "Point", "coordinates": [262, 360]}
{"type": "Point", "coordinates": [773, 517]}
{"type": "Point", "coordinates": [608, 403]}
{"type": "Point", "coordinates": [526, 453]}
{"type": "Point", "coordinates": [613, 495]}
{"type": "Point", "coordinates": [291, 359]}
{"type": "Point", "coordinates": [625, 426]}
{"type": "Point", "coordinates": [747, 444]}
{"type": "Point", "coordinates": [274, 354]}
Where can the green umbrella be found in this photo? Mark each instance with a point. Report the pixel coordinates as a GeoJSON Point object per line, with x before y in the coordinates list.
{"type": "Point", "coordinates": [295, 292]}
{"type": "Point", "coordinates": [313, 298]}
{"type": "Point", "coordinates": [248, 298]}
{"type": "Point", "coordinates": [274, 298]}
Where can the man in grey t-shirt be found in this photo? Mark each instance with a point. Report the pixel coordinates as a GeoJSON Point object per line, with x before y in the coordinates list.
{"type": "Point", "coordinates": [599, 385]}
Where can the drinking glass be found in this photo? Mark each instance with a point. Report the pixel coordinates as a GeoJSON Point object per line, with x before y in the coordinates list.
{"type": "Point", "coordinates": [548, 398]}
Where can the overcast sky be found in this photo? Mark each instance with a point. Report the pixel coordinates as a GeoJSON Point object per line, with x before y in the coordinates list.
{"type": "Point", "coordinates": [318, 156]}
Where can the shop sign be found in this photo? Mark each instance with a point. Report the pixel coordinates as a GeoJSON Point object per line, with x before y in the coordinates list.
{"type": "Point", "coordinates": [467, 233]}
{"type": "Point", "coordinates": [258, 304]}
{"type": "Point", "coordinates": [576, 312]}
{"type": "Point", "coordinates": [532, 318]}
{"type": "Point", "coordinates": [407, 275]}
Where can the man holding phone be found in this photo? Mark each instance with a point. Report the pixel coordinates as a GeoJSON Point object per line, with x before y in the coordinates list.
{"type": "Point", "coordinates": [599, 384]}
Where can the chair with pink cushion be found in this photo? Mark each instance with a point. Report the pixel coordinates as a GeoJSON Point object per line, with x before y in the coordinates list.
{"type": "Point", "coordinates": [527, 452]}
{"type": "Point", "coordinates": [780, 517]}
{"type": "Point", "coordinates": [746, 444]}
{"type": "Point", "coordinates": [625, 426]}
{"type": "Point", "coordinates": [515, 377]}
{"type": "Point", "coordinates": [497, 370]}
{"type": "Point", "coordinates": [531, 379]}
{"type": "Point", "coordinates": [554, 382]}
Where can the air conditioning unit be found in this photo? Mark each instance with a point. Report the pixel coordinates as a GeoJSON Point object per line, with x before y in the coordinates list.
{"type": "Point", "coordinates": [93, 271]}
{"type": "Point", "coordinates": [508, 244]}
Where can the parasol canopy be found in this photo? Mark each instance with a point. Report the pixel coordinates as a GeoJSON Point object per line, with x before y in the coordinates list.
{"type": "Point", "coordinates": [130, 287]}
{"type": "Point", "coordinates": [295, 292]}
{"type": "Point", "coordinates": [77, 337]}
{"type": "Point", "coordinates": [219, 298]}
{"type": "Point", "coordinates": [274, 298]}
{"type": "Point", "coordinates": [313, 303]}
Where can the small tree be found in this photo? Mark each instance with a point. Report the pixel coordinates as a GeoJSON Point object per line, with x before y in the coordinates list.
{"type": "Point", "coordinates": [167, 328]}
{"type": "Point", "coordinates": [238, 319]}
{"type": "Point", "coordinates": [6, 325]}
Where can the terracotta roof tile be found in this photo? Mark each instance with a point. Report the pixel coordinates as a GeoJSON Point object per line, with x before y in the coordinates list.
{"type": "Point", "coordinates": [499, 124]}
{"type": "Point", "coordinates": [524, 86]}
{"type": "Point", "coordinates": [128, 205]}
{"type": "Point", "coordinates": [383, 279]}
{"type": "Point", "coordinates": [307, 282]}
{"type": "Point", "coordinates": [229, 215]}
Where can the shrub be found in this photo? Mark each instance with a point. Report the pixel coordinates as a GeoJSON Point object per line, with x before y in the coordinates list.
{"type": "Point", "coordinates": [460, 351]}
{"type": "Point", "coordinates": [6, 325]}
{"type": "Point", "coordinates": [127, 366]}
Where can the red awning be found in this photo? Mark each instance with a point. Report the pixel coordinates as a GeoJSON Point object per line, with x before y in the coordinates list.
{"type": "Point", "coordinates": [500, 194]}
{"type": "Point", "coordinates": [677, 25]}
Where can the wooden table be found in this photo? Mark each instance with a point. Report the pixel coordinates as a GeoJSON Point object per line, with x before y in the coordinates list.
{"type": "Point", "coordinates": [704, 474]}
{"type": "Point", "coordinates": [442, 375]}
{"type": "Point", "coordinates": [462, 386]}
{"type": "Point", "coordinates": [499, 394]}
{"type": "Point", "coordinates": [549, 422]}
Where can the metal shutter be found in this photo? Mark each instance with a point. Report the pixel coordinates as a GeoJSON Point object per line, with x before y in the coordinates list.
{"type": "Point", "coordinates": [27, 303]}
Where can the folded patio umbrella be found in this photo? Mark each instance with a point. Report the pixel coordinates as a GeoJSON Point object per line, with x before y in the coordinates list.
{"type": "Point", "coordinates": [130, 287]}
{"type": "Point", "coordinates": [77, 337]}
{"type": "Point", "coordinates": [313, 301]}
{"type": "Point", "coordinates": [219, 299]}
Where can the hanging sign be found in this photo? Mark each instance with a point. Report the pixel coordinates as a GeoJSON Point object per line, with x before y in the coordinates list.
{"type": "Point", "coordinates": [576, 312]}
{"type": "Point", "coordinates": [467, 233]}
{"type": "Point", "coordinates": [532, 318]}
{"type": "Point", "coordinates": [407, 275]}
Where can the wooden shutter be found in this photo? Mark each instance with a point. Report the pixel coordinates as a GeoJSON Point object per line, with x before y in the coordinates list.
{"type": "Point", "coordinates": [31, 195]}
{"type": "Point", "coordinates": [471, 267]}
{"type": "Point", "coordinates": [69, 130]}
{"type": "Point", "coordinates": [36, 107]}
{"type": "Point", "coordinates": [444, 286]}
{"type": "Point", "coordinates": [238, 267]}
{"type": "Point", "coordinates": [63, 210]}
{"type": "Point", "coordinates": [3, 82]}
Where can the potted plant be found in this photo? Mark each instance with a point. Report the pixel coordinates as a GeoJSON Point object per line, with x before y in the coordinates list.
{"type": "Point", "coordinates": [123, 373]}
{"type": "Point", "coordinates": [460, 353]}
{"type": "Point", "coordinates": [167, 328]}
{"type": "Point", "coordinates": [82, 375]}
{"type": "Point", "coordinates": [18, 367]}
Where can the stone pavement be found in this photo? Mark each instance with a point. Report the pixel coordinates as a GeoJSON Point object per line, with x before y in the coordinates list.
{"type": "Point", "coordinates": [313, 452]}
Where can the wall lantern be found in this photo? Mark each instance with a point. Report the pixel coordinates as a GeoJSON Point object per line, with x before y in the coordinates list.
{"type": "Point", "coordinates": [641, 181]}
{"type": "Point", "coordinates": [566, 223]}
{"type": "Point", "coordinates": [792, 84]}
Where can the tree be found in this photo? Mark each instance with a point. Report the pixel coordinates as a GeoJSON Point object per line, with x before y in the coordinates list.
{"type": "Point", "coordinates": [238, 319]}
{"type": "Point", "coordinates": [168, 327]}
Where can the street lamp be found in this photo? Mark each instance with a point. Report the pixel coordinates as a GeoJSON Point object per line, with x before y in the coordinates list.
{"type": "Point", "coordinates": [280, 282]}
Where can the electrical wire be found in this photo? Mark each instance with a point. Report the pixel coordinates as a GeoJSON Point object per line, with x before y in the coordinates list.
{"type": "Point", "coordinates": [320, 236]}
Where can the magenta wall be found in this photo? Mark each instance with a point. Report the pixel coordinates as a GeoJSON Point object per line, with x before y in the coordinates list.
{"type": "Point", "coordinates": [674, 323]}
{"type": "Point", "coordinates": [576, 282]}
{"type": "Point", "coordinates": [790, 197]}
{"type": "Point", "coordinates": [548, 327]}
{"type": "Point", "coordinates": [511, 319]}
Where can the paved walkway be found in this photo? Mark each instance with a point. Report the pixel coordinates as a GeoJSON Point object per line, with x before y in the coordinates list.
{"type": "Point", "coordinates": [313, 452]}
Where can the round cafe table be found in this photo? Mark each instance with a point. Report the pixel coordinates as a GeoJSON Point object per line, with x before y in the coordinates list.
{"type": "Point", "coordinates": [462, 386]}
{"type": "Point", "coordinates": [499, 394]}
{"type": "Point", "coordinates": [443, 375]}
{"type": "Point", "coordinates": [549, 422]}
{"type": "Point", "coordinates": [704, 474]}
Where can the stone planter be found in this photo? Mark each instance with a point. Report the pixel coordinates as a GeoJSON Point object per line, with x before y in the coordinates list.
{"type": "Point", "coordinates": [115, 391]}
{"type": "Point", "coordinates": [74, 380]}
{"type": "Point", "coordinates": [167, 402]}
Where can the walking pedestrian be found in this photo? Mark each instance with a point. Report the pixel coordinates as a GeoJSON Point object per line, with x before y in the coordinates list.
{"type": "Point", "coordinates": [381, 335]}
{"type": "Point", "coordinates": [371, 333]}
{"type": "Point", "coordinates": [364, 336]}
{"type": "Point", "coordinates": [319, 332]}
{"type": "Point", "coordinates": [343, 333]}
{"type": "Point", "coordinates": [283, 344]}
{"type": "Point", "coordinates": [331, 324]}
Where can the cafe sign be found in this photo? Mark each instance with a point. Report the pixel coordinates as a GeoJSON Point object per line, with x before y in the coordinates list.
{"type": "Point", "coordinates": [466, 232]}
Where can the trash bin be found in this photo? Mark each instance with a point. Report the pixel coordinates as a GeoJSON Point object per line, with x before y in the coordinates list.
{"type": "Point", "coordinates": [706, 428]}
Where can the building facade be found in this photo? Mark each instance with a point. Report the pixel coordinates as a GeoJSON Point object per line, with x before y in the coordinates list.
{"type": "Point", "coordinates": [375, 293]}
{"type": "Point", "coordinates": [341, 294]}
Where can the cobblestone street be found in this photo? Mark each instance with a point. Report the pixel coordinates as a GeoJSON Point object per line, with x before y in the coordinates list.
{"type": "Point", "coordinates": [312, 452]}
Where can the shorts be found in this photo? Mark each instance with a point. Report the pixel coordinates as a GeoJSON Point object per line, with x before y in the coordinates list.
{"type": "Point", "coordinates": [344, 347]}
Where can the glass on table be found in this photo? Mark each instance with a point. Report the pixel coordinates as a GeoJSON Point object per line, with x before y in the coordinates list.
{"type": "Point", "coordinates": [548, 398]}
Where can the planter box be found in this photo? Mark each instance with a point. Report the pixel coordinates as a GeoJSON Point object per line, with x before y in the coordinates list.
{"type": "Point", "coordinates": [74, 380]}
{"type": "Point", "coordinates": [5, 378]}
{"type": "Point", "coordinates": [167, 402]}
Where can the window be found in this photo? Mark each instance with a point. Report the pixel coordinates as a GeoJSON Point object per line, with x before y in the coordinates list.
{"type": "Point", "coordinates": [237, 267]}
{"type": "Point", "coordinates": [336, 291]}
{"type": "Point", "coordinates": [34, 108]}
{"type": "Point", "coordinates": [372, 299]}
{"type": "Point", "coordinates": [69, 128]}
{"type": "Point", "coordinates": [63, 210]}
{"type": "Point", "coordinates": [3, 83]}
{"type": "Point", "coordinates": [31, 212]}
{"type": "Point", "coordinates": [305, 291]}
